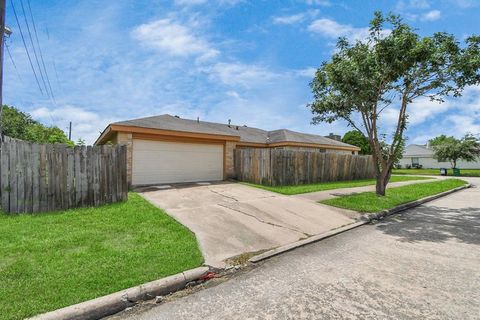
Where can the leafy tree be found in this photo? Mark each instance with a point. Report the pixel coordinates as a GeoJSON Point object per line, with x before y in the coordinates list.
{"type": "Point", "coordinates": [20, 125]}
{"type": "Point", "coordinates": [80, 142]}
{"type": "Point", "coordinates": [356, 138]}
{"type": "Point", "coordinates": [16, 123]}
{"type": "Point", "coordinates": [452, 150]}
{"type": "Point", "coordinates": [391, 68]}
{"type": "Point", "coordinates": [441, 139]}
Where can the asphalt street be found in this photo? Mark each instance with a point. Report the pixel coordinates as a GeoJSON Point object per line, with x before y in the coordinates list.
{"type": "Point", "coordinates": [421, 264]}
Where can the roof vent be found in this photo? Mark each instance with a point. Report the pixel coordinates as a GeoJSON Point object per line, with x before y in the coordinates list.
{"type": "Point", "coordinates": [198, 119]}
{"type": "Point", "coordinates": [245, 125]}
{"type": "Point", "coordinates": [177, 117]}
{"type": "Point", "coordinates": [229, 121]}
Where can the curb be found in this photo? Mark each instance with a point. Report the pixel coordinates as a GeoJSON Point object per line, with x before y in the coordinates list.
{"type": "Point", "coordinates": [301, 243]}
{"type": "Point", "coordinates": [365, 219]}
{"type": "Point", "coordinates": [385, 213]}
{"type": "Point", "coordinates": [118, 301]}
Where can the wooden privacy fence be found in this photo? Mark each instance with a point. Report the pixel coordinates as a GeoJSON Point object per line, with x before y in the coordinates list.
{"type": "Point", "coordinates": [285, 167]}
{"type": "Point", "coordinates": [46, 177]}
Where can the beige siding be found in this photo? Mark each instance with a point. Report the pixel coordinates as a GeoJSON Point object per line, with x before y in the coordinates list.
{"type": "Point", "coordinates": [229, 158]}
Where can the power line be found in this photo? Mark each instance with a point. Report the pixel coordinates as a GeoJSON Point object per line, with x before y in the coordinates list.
{"type": "Point", "coordinates": [56, 73]}
{"type": "Point", "coordinates": [33, 46]}
{"type": "Point", "coordinates": [40, 51]}
{"type": "Point", "coordinates": [13, 62]}
{"type": "Point", "coordinates": [25, 45]}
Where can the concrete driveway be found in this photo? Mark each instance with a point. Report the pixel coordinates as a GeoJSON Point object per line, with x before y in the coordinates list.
{"type": "Point", "coordinates": [421, 264]}
{"type": "Point", "coordinates": [229, 219]}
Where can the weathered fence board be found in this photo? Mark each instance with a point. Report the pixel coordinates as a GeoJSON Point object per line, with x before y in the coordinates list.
{"type": "Point", "coordinates": [288, 167]}
{"type": "Point", "coordinates": [36, 177]}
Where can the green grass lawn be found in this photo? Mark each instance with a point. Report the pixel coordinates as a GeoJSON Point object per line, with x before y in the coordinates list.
{"type": "Point", "coordinates": [436, 172]}
{"type": "Point", "coordinates": [52, 260]}
{"type": "Point", "coordinates": [306, 188]}
{"type": "Point", "coordinates": [370, 202]}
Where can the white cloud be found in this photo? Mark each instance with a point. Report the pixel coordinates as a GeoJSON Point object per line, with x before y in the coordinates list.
{"type": "Point", "coordinates": [173, 38]}
{"type": "Point", "coordinates": [332, 29]}
{"type": "Point", "coordinates": [292, 19]}
{"type": "Point", "coordinates": [189, 2]}
{"type": "Point", "coordinates": [465, 3]}
{"type": "Point", "coordinates": [246, 75]}
{"type": "Point", "coordinates": [403, 5]}
{"type": "Point", "coordinates": [307, 72]}
{"type": "Point", "coordinates": [431, 15]}
{"type": "Point", "coordinates": [463, 124]}
{"type": "Point", "coordinates": [296, 18]}
{"type": "Point", "coordinates": [389, 116]}
{"type": "Point", "coordinates": [85, 124]}
{"type": "Point", "coordinates": [423, 109]}
{"type": "Point", "coordinates": [323, 3]}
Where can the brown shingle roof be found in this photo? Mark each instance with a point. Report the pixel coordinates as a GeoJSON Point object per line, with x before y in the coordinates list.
{"type": "Point", "coordinates": [246, 134]}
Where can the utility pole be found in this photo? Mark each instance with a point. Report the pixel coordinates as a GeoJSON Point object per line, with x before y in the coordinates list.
{"type": "Point", "coordinates": [70, 131]}
{"type": "Point", "coordinates": [2, 47]}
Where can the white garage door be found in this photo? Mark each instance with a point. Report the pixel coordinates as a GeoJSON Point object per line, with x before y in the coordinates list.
{"type": "Point", "coordinates": [156, 162]}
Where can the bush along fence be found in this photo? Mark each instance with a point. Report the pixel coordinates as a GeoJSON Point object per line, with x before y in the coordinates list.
{"type": "Point", "coordinates": [285, 167]}
{"type": "Point", "coordinates": [47, 177]}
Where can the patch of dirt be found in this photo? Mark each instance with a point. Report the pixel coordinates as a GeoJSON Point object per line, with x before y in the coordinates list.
{"type": "Point", "coordinates": [242, 259]}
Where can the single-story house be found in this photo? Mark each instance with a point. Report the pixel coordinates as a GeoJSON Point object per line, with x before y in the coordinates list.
{"type": "Point", "coordinates": [416, 154]}
{"type": "Point", "coordinates": [169, 149]}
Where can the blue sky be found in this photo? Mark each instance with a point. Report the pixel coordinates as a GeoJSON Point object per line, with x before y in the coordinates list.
{"type": "Point", "coordinates": [248, 61]}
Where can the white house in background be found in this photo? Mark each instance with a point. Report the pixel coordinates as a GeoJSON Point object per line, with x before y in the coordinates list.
{"type": "Point", "coordinates": [416, 154]}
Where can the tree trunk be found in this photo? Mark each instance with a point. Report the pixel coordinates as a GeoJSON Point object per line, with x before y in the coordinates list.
{"type": "Point", "coordinates": [382, 181]}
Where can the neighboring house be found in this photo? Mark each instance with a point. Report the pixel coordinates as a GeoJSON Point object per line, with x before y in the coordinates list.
{"type": "Point", "coordinates": [416, 154]}
{"type": "Point", "coordinates": [168, 149]}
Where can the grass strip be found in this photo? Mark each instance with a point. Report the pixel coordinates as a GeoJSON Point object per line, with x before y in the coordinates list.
{"type": "Point", "coordinates": [314, 187]}
{"type": "Point", "coordinates": [370, 202]}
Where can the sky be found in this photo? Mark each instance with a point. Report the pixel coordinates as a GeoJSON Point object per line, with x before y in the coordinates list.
{"type": "Point", "coordinates": [250, 61]}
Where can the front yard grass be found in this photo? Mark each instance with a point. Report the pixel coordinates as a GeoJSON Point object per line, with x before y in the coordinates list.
{"type": "Point", "coordinates": [370, 202]}
{"type": "Point", "coordinates": [322, 186]}
{"type": "Point", "coordinates": [52, 260]}
{"type": "Point", "coordinates": [436, 172]}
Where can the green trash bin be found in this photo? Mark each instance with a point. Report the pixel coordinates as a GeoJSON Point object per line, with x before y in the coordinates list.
{"type": "Point", "coordinates": [456, 172]}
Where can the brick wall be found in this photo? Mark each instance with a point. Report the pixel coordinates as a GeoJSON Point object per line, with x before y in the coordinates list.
{"type": "Point", "coordinates": [126, 139]}
{"type": "Point", "coordinates": [229, 159]}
